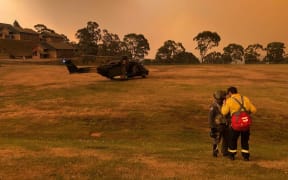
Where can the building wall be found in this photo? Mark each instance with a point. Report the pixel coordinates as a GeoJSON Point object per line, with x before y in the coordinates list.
{"type": "Point", "coordinates": [16, 37]}
{"type": "Point", "coordinates": [7, 34]}
{"type": "Point", "coordinates": [4, 33]}
{"type": "Point", "coordinates": [36, 53]}
{"type": "Point", "coordinates": [31, 37]}
{"type": "Point", "coordinates": [3, 54]}
{"type": "Point", "coordinates": [52, 54]}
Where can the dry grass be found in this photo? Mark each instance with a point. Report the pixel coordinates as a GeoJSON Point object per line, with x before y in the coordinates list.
{"type": "Point", "coordinates": [83, 126]}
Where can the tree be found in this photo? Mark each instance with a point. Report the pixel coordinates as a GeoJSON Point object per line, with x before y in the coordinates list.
{"type": "Point", "coordinates": [65, 38]}
{"type": "Point", "coordinates": [111, 44]}
{"type": "Point", "coordinates": [205, 41]}
{"type": "Point", "coordinates": [235, 52]}
{"type": "Point", "coordinates": [213, 58]}
{"type": "Point", "coordinates": [172, 52]}
{"type": "Point", "coordinates": [41, 28]}
{"type": "Point", "coordinates": [252, 53]}
{"type": "Point", "coordinates": [45, 32]}
{"type": "Point", "coordinates": [136, 45]}
{"type": "Point", "coordinates": [89, 37]}
{"type": "Point", "coordinates": [275, 52]}
{"type": "Point", "coordinates": [226, 58]}
{"type": "Point", "coordinates": [169, 50]}
{"type": "Point", "coordinates": [185, 57]}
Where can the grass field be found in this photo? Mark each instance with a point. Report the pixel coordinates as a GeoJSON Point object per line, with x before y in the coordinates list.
{"type": "Point", "coordinates": [54, 125]}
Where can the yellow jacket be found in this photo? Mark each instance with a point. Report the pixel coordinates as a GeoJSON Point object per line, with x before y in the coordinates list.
{"type": "Point", "coordinates": [231, 106]}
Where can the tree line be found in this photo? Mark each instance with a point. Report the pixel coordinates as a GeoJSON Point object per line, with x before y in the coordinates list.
{"type": "Point", "coordinates": [97, 42]}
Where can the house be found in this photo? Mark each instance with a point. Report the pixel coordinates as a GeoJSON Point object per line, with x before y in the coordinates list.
{"type": "Point", "coordinates": [53, 50]}
{"type": "Point", "coordinates": [18, 42]}
{"type": "Point", "coordinates": [16, 48]}
{"type": "Point", "coordinates": [8, 31]}
{"type": "Point", "coordinates": [51, 37]}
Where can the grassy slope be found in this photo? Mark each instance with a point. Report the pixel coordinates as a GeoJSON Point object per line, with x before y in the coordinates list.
{"type": "Point", "coordinates": [83, 126]}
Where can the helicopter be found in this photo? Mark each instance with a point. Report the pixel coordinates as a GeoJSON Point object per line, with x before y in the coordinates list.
{"type": "Point", "coordinates": [111, 69]}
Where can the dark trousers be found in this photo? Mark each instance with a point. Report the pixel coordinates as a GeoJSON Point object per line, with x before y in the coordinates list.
{"type": "Point", "coordinates": [225, 141]}
{"type": "Point", "coordinates": [222, 136]}
{"type": "Point", "coordinates": [234, 135]}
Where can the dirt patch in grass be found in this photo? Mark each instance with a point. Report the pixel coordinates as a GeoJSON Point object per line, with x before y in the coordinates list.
{"type": "Point", "coordinates": [69, 152]}
{"type": "Point", "coordinates": [52, 114]}
{"type": "Point", "coordinates": [41, 77]}
{"type": "Point", "coordinates": [16, 153]}
{"type": "Point", "coordinates": [167, 169]}
{"type": "Point", "coordinates": [280, 165]}
{"type": "Point", "coordinates": [12, 160]}
{"type": "Point", "coordinates": [13, 153]}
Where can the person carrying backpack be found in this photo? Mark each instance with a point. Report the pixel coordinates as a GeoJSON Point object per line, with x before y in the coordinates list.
{"type": "Point", "coordinates": [218, 124]}
{"type": "Point", "coordinates": [240, 108]}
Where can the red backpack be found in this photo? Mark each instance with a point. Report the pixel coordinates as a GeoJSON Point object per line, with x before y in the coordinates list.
{"type": "Point", "coordinates": [241, 120]}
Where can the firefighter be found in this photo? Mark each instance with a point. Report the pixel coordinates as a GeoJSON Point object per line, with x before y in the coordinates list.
{"type": "Point", "coordinates": [218, 124]}
{"type": "Point", "coordinates": [230, 106]}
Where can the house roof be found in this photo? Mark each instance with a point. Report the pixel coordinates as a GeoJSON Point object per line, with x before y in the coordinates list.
{"type": "Point", "coordinates": [49, 34]}
{"type": "Point", "coordinates": [8, 26]}
{"type": "Point", "coordinates": [15, 29]}
{"type": "Point", "coordinates": [56, 45]}
{"type": "Point", "coordinates": [17, 47]}
{"type": "Point", "coordinates": [30, 31]}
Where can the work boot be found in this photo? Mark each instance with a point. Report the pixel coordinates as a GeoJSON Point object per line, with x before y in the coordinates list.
{"type": "Point", "coordinates": [246, 156]}
{"type": "Point", "coordinates": [246, 159]}
{"type": "Point", "coordinates": [215, 150]}
{"type": "Point", "coordinates": [231, 157]}
{"type": "Point", "coordinates": [215, 153]}
{"type": "Point", "coordinates": [225, 154]}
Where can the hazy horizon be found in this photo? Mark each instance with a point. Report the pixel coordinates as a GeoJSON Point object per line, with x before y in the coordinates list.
{"type": "Point", "coordinates": [240, 21]}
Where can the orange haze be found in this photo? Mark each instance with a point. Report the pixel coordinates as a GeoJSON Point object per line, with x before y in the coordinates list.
{"type": "Point", "coordinates": [236, 21]}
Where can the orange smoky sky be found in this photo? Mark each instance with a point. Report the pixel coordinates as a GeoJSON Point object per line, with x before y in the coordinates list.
{"type": "Point", "coordinates": [236, 21]}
